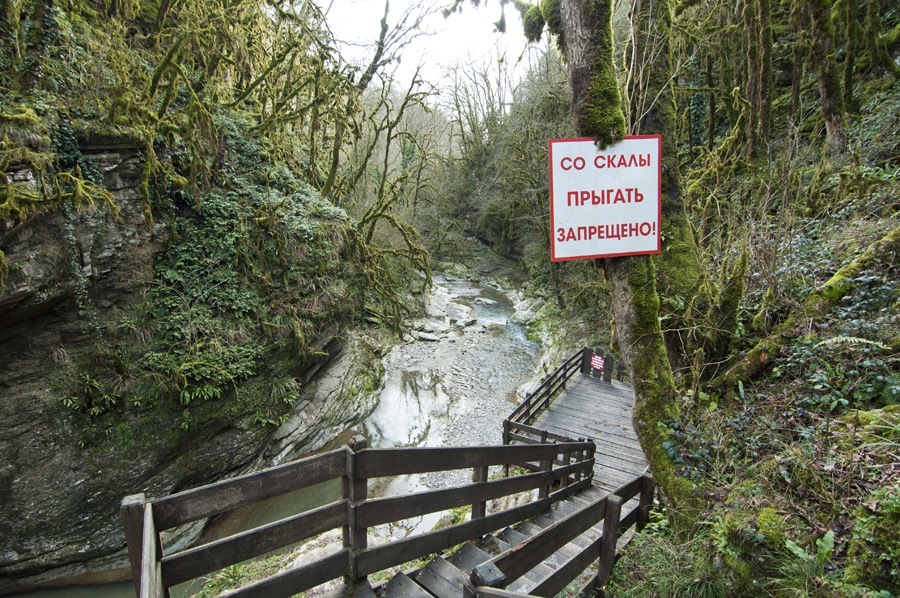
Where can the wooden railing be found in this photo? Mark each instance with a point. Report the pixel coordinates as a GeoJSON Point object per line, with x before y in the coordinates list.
{"type": "Point", "coordinates": [561, 470]}
{"type": "Point", "coordinates": [517, 427]}
{"type": "Point", "coordinates": [489, 579]}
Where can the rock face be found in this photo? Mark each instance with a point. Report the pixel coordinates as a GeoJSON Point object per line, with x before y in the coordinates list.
{"type": "Point", "coordinates": [59, 502]}
{"type": "Point", "coordinates": [53, 496]}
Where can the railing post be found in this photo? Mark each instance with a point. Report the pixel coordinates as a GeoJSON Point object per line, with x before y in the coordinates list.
{"type": "Point", "coordinates": [592, 450]}
{"type": "Point", "coordinates": [544, 491]}
{"type": "Point", "coordinates": [566, 459]}
{"type": "Point", "coordinates": [132, 510]}
{"type": "Point", "coordinates": [610, 538]}
{"type": "Point", "coordinates": [608, 362]}
{"type": "Point", "coordinates": [646, 502]}
{"type": "Point", "coordinates": [506, 425]}
{"type": "Point", "coordinates": [356, 491]}
{"type": "Point", "coordinates": [586, 360]}
{"type": "Point", "coordinates": [479, 474]}
{"type": "Point", "coordinates": [484, 575]}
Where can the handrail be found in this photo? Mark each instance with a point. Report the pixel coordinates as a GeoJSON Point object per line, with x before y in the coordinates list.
{"type": "Point", "coordinates": [566, 466]}
{"type": "Point", "coordinates": [525, 412]}
{"type": "Point", "coordinates": [517, 427]}
{"type": "Point", "coordinates": [507, 567]}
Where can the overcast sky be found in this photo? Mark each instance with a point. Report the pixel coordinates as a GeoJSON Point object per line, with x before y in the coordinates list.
{"type": "Point", "coordinates": [467, 37]}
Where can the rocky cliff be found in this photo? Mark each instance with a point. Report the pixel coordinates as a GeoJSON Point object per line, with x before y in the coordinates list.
{"type": "Point", "coordinates": [63, 475]}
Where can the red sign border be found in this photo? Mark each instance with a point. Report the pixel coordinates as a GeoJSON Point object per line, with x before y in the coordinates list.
{"type": "Point", "coordinates": [553, 257]}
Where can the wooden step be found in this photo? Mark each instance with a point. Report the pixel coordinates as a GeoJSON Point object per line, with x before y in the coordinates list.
{"type": "Point", "coordinates": [441, 579]}
{"type": "Point", "coordinates": [360, 589]}
{"type": "Point", "coordinates": [468, 557]}
{"type": "Point", "coordinates": [511, 536]}
{"type": "Point", "coordinates": [403, 587]}
{"type": "Point", "coordinates": [491, 544]}
{"type": "Point", "coordinates": [524, 584]}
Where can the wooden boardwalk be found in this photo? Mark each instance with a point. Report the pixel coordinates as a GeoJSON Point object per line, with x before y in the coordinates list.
{"type": "Point", "coordinates": [601, 411]}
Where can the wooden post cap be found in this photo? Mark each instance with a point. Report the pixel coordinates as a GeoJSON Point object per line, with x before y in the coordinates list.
{"type": "Point", "coordinates": [487, 574]}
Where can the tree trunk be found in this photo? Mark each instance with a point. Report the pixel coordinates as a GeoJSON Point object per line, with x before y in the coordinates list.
{"type": "Point", "coordinates": [596, 102]}
{"type": "Point", "coordinates": [711, 106]}
{"type": "Point", "coordinates": [751, 38]}
{"type": "Point", "coordinates": [851, 10]}
{"type": "Point", "coordinates": [587, 31]}
{"type": "Point", "coordinates": [764, 87]}
{"type": "Point", "coordinates": [826, 70]}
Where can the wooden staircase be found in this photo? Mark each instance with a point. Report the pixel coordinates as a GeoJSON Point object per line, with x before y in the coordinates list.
{"type": "Point", "coordinates": [570, 552]}
{"type": "Point", "coordinates": [542, 547]}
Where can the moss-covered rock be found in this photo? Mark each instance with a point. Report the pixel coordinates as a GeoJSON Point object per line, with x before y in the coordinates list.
{"type": "Point", "coordinates": [873, 558]}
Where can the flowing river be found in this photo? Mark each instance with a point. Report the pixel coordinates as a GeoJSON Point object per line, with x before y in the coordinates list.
{"type": "Point", "coordinates": [451, 382]}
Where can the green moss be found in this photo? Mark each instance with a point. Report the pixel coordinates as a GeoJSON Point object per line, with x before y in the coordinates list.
{"type": "Point", "coordinates": [551, 15]}
{"type": "Point", "coordinates": [873, 557]}
{"type": "Point", "coordinates": [533, 23]}
{"type": "Point", "coordinates": [600, 113]}
{"type": "Point", "coordinates": [759, 323]}
{"type": "Point", "coordinates": [655, 389]}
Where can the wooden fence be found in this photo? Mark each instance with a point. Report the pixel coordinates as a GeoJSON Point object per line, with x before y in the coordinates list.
{"type": "Point", "coordinates": [489, 579]}
{"type": "Point", "coordinates": [517, 428]}
{"type": "Point", "coordinates": [560, 471]}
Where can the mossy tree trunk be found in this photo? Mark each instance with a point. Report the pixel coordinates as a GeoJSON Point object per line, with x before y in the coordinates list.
{"type": "Point", "coordinates": [852, 27]}
{"type": "Point", "coordinates": [751, 38]}
{"type": "Point", "coordinates": [830, 95]}
{"type": "Point", "coordinates": [587, 30]}
{"type": "Point", "coordinates": [764, 87]}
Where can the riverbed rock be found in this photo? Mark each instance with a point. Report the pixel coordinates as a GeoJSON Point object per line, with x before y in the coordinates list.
{"type": "Point", "coordinates": [428, 336]}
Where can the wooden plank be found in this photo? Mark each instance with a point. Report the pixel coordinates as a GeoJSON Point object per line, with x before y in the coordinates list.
{"type": "Point", "coordinates": [630, 490]}
{"type": "Point", "coordinates": [150, 582]}
{"type": "Point", "coordinates": [442, 579]}
{"type": "Point", "coordinates": [402, 586]}
{"type": "Point", "coordinates": [585, 400]}
{"type": "Point", "coordinates": [220, 497]}
{"type": "Point", "coordinates": [629, 467]}
{"type": "Point", "coordinates": [293, 581]}
{"type": "Point", "coordinates": [213, 556]}
{"type": "Point", "coordinates": [401, 551]}
{"type": "Point", "coordinates": [467, 557]}
{"type": "Point", "coordinates": [614, 387]}
{"type": "Point", "coordinates": [132, 510]}
{"type": "Point", "coordinates": [394, 508]}
{"type": "Point", "coordinates": [610, 538]}
{"type": "Point", "coordinates": [358, 590]}
{"type": "Point", "coordinates": [568, 571]}
{"type": "Point", "coordinates": [537, 432]}
{"type": "Point", "coordinates": [486, 592]}
{"type": "Point", "coordinates": [588, 424]}
{"type": "Point", "coordinates": [600, 415]}
{"type": "Point", "coordinates": [646, 502]}
{"type": "Point", "coordinates": [515, 563]}
{"type": "Point", "coordinates": [375, 463]}
{"type": "Point", "coordinates": [617, 436]}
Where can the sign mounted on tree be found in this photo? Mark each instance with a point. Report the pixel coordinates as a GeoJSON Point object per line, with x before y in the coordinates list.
{"type": "Point", "coordinates": [605, 203]}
